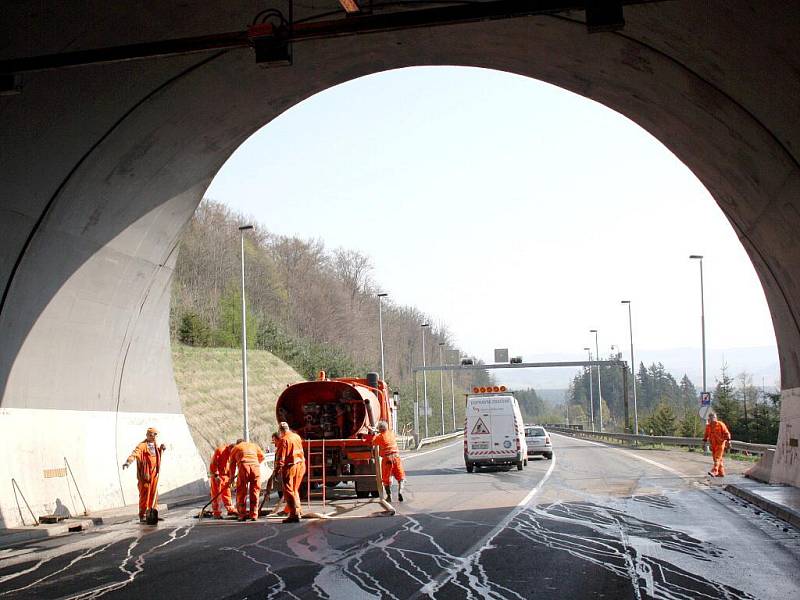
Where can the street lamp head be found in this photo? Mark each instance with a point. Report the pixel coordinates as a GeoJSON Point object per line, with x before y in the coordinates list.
{"type": "Point", "coordinates": [442, 343]}
{"type": "Point", "coordinates": [700, 256]}
{"type": "Point", "coordinates": [593, 331]}
{"type": "Point", "coordinates": [382, 295]}
{"type": "Point", "coordinates": [625, 301]}
{"type": "Point", "coordinates": [588, 349]}
{"type": "Point", "coordinates": [245, 227]}
{"type": "Point", "coordinates": [425, 325]}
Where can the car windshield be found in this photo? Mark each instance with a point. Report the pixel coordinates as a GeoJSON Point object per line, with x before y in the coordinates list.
{"type": "Point", "coordinates": [534, 432]}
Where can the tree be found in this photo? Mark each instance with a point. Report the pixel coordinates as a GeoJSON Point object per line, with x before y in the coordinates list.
{"type": "Point", "coordinates": [662, 421]}
{"type": "Point", "coordinates": [229, 332]}
{"type": "Point", "coordinates": [725, 403]}
{"type": "Point", "coordinates": [691, 425]}
{"type": "Point", "coordinates": [193, 330]}
{"type": "Point", "coordinates": [688, 393]}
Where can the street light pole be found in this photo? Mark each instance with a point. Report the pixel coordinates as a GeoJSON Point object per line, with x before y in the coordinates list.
{"type": "Point", "coordinates": [599, 388]}
{"type": "Point", "coordinates": [591, 385]}
{"type": "Point", "coordinates": [702, 316]}
{"type": "Point", "coordinates": [424, 378]}
{"type": "Point", "coordinates": [453, 394]}
{"type": "Point", "coordinates": [246, 424]}
{"type": "Point", "coordinates": [381, 296]}
{"type": "Point", "coordinates": [633, 372]}
{"type": "Point", "coordinates": [441, 382]}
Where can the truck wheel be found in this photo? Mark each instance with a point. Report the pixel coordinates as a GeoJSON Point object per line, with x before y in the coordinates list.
{"type": "Point", "coordinates": [519, 465]}
{"type": "Point", "coordinates": [548, 455]}
{"type": "Point", "coordinates": [374, 494]}
{"type": "Point", "coordinates": [470, 467]}
{"type": "Point", "coordinates": [525, 463]}
{"type": "Point", "coordinates": [360, 494]}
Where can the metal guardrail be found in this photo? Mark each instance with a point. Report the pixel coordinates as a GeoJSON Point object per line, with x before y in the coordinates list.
{"type": "Point", "coordinates": [439, 438]}
{"type": "Point", "coordinates": [663, 440]}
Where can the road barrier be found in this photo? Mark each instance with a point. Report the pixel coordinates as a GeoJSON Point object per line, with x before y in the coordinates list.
{"type": "Point", "coordinates": [687, 442]}
{"type": "Point", "coordinates": [439, 438]}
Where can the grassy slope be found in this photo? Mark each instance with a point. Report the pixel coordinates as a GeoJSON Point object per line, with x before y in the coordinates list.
{"type": "Point", "coordinates": [210, 387]}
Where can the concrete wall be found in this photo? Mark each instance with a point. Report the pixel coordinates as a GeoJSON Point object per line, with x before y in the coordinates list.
{"type": "Point", "coordinates": [101, 167]}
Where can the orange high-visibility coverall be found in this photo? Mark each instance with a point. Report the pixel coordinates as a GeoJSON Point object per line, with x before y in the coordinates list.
{"type": "Point", "coordinates": [718, 435]}
{"type": "Point", "coordinates": [221, 480]}
{"type": "Point", "coordinates": [391, 465]}
{"type": "Point", "coordinates": [247, 457]}
{"type": "Point", "coordinates": [148, 466]}
{"type": "Point", "coordinates": [290, 462]}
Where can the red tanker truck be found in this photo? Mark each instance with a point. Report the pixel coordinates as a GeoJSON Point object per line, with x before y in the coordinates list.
{"type": "Point", "coordinates": [334, 417]}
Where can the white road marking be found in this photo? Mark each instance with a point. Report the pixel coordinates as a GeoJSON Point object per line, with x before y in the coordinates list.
{"type": "Point", "coordinates": [626, 452]}
{"type": "Point", "coordinates": [471, 562]}
{"type": "Point", "coordinates": [410, 456]}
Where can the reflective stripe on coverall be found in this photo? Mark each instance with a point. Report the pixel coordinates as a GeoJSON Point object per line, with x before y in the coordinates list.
{"type": "Point", "coordinates": [220, 486]}
{"type": "Point", "coordinates": [247, 457]}
{"type": "Point", "coordinates": [148, 467]}
{"type": "Point", "coordinates": [291, 464]}
{"type": "Point", "coordinates": [391, 465]}
{"type": "Point", "coordinates": [718, 435]}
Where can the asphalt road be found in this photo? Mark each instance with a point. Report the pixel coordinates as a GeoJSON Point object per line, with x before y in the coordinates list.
{"type": "Point", "coordinates": [596, 522]}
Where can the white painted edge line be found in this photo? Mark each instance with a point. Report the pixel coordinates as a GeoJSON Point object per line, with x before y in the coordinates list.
{"type": "Point", "coordinates": [430, 588]}
{"type": "Point", "coordinates": [410, 456]}
{"type": "Point", "coordinates": [627, 452]}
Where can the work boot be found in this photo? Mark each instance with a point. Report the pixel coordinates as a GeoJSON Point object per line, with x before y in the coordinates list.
{"type": "Point", "coordinates": [388, 489]}
{"type": "Point", "coordinates": [400, 490]}
{"type": "Point", "coordinates": [291, 519]}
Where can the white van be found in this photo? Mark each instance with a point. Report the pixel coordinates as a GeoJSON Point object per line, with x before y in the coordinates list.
{"type": "Point", "coordinates": [494, 433]}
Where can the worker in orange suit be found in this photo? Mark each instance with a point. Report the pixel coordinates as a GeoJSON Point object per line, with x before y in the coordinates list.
{"type": "Point", "coordinates": [221, 481]}
{"type": "Point", "coordinates": [247, 458]}
{"type": "Point", "coordinates": [290, 462]}
{"type": "Point", "coordinates": [147, 455]}
{"type": "Point", "coordinates": [391, 464]}
{"type": "Point", "coordinates": [718, 435]}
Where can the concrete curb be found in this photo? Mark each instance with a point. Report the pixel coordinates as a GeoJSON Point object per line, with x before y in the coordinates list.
{"type": "Point", "coordinates": [46, 531]}
{"type": "Point", "coordinates": [784, 513]}
{"type": "Point", "coordinates": [90, 521]}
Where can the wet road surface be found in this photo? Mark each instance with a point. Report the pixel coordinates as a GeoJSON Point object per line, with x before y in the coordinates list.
{"type": "Point", "coordinates": [596, 522]}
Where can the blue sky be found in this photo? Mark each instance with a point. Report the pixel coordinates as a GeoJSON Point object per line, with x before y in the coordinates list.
{"type": "Point", "coordinates": [513, 212]}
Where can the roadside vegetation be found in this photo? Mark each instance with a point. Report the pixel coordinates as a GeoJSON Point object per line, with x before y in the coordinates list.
{"type": "Point", "coordinates": [313, 308]}
{"type": "Point", "coordinates": [668, 407]}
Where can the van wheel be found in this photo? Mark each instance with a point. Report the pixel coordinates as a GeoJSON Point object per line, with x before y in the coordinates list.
{"type": "Point", "coordinates": [519, 465]}
{"type": "Point", "coordinates": [525, 463]}
{"type": "Point", "coordinates": [470, 467]}
{"type": "Point", "coordinates": [548, 455]}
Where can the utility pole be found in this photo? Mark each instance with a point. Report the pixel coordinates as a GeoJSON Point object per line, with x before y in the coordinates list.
{"type": "Point", "coordinates": [599, 388]}
{"type": "Point", "coordinates": [591, 393]}
{"type": "Point", "coordinates": [425, 377]}
{"type": "Point", "coordinates": [246, 425]}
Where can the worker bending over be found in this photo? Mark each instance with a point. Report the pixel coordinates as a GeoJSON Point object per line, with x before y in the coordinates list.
{"type": "Point", "coordinates": [221, 481]}
{"type": "Point", "coordinates": [247, 458]}
{"type": "Point", "coordinates": [148, 465]}
{"type": "Point", "coordinates": [718, 435]}
{"type": "Point", "coordinates": [290, 462]}
{"type": "Point", "coordinates": [391, 465]}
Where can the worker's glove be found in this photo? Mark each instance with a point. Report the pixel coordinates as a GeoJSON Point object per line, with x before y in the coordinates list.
{"type": "Point", "coordinates": [125, 465]}
{"type": "Point", "coordinates": [162, 447]}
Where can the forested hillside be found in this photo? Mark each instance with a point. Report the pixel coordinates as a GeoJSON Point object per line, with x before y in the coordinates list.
{"type": "Point", "coordinates": [314, 308]}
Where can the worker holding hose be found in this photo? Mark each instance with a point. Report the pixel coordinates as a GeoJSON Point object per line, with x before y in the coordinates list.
{"type": "Point", "coordinates": [247, 458]}
{"type": "Point", "coordinates": [290, 462]}
{"type": "Point", "coordinates": [221, 481]}
{"type": "Point", "coordinates": [391, 464]}
{"type": "Point", "coordinates": [148, 465]}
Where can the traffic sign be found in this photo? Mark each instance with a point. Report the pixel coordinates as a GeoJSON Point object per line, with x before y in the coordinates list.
{"type": "Point", "coordinates": [705, 410]}
{"type": "Point", "coordinates": [480, 428]}
{"type": "Point", "coordinates": [705, 399]}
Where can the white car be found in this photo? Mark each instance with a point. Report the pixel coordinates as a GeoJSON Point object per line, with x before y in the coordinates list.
{"type": "Point", "coordinates": [538, 441]}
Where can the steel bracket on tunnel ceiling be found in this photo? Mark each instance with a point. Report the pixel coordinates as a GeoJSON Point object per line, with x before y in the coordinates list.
{"type": "Point", "coordinates": [270, 34]}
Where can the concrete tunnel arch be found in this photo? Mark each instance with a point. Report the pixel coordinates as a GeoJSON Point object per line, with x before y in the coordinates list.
{"type": "Point", "coordinates": [102, 166]}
